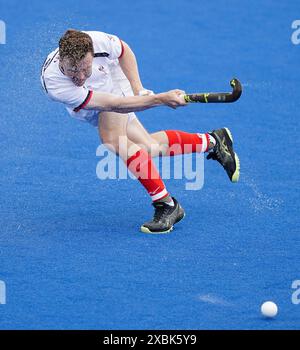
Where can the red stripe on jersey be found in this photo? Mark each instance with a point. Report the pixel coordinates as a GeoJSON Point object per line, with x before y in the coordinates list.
{"type": "Point", "coordinates": [122, 45]}
{"type": "Point", "coordinates": [85, 102]}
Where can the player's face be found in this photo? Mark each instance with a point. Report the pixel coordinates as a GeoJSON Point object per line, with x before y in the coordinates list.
{"type": "Point", "coordinates": [80, 72]}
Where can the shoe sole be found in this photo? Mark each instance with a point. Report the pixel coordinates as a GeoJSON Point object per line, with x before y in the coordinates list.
{"type": "Point", "coordinates": [236, 174]}
{"type": "Point", "coordinates": [146, 230]}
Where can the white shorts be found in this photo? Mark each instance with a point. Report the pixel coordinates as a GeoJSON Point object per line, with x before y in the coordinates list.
{"type": "Point", "coordinates": [121, 87]}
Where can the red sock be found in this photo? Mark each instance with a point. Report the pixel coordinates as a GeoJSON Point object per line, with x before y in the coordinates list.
{"type": "Point", "coordinates": [181, 142]}
{"type": "Point", "coordinates": [142, 166]}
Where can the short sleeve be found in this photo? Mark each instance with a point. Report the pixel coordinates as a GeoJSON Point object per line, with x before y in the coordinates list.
{"type": "Point", "coordinates": [107, 45]}
{"type": "Point", "coordinates": [73, 96]}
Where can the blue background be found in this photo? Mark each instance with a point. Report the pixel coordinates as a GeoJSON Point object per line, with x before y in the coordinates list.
{"type": "Point", "coordinates": [71, 253]}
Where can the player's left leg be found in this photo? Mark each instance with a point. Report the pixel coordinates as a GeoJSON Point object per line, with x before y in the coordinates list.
{"type": "Point", "coordinates": [174, 142]}
{"type": "Point", "coordinates": [219, 142]}
{"type": "Point", "coordinates": [169, 142]}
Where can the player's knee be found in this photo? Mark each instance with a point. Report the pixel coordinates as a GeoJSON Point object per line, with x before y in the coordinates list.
{"type": "Point", "coordinates": [153, 149]}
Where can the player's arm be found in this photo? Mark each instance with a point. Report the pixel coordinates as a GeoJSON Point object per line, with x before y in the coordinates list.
{"type": "Point", "coordinates": [113, 103]}
{"type": "Point", "coordinates": [129, 66]}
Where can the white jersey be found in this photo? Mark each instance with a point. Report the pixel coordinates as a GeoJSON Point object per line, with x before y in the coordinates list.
{"type": "Point", "coordinates": [107, 49]}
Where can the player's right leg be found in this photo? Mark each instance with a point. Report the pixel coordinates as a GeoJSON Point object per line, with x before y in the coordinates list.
{"type": "Point", "coordinates": [113, 132]}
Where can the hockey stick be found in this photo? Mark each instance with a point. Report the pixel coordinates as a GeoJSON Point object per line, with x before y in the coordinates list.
{"type": "Point", "coordinates": [217, 97]}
